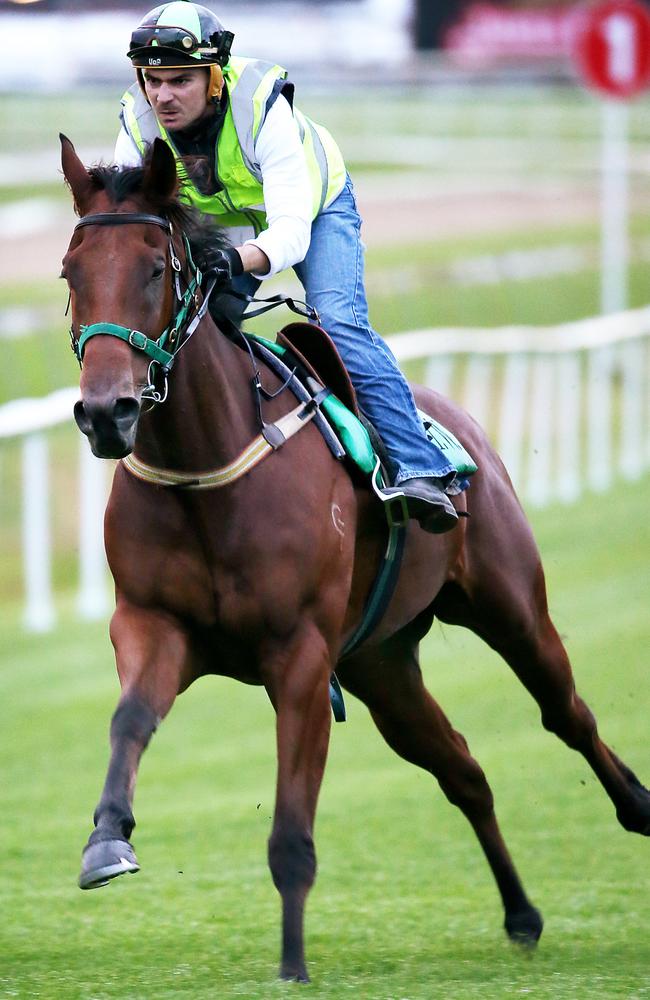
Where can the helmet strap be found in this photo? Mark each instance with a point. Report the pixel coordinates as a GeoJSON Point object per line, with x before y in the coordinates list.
{"type": "Point", "coordinates": [139, 75]}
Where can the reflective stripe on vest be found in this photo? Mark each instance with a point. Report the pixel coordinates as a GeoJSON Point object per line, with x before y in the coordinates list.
{"type": "Point", "coordinates": [251, 85]}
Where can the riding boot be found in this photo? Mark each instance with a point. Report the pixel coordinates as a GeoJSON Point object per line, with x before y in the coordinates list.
{"type": "Point", "coordinates": [426, 501]}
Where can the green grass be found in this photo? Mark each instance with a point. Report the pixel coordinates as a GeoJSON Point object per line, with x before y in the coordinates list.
{"type": "Point", "coordinates": [404, 906]}
{"type": "Point", "coordinates": [28, 122]}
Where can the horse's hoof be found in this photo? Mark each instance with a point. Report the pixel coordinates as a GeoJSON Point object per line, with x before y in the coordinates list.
{"type": "Point", "coordinates": [297, 974]}
{"type": "Point", "coordinates": [104, 861]}
{"type": "Point", "coordinates": [524, 928]}
{"type": "Point", "coordinates": [634, 822]}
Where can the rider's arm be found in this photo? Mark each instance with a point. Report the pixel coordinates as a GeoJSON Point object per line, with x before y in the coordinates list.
{"type": "Point", "coordinates": [126, 152]}
{"type": "Point", "coordinates": [287, 195]}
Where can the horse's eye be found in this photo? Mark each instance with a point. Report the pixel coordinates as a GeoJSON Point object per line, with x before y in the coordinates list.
{"type": "Point", "coordinates": [158, 271]}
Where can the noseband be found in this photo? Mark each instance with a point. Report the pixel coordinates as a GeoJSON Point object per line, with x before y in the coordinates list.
{"type": "Point", "coordinates": [163, 350]}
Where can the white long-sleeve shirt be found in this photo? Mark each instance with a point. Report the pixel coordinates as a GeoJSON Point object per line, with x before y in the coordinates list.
{"type": "Point", "coordinates": [286, 185]}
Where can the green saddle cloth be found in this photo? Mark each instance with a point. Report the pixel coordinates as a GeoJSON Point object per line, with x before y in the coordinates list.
{"type": "Point", "coordinates": [358, 446]}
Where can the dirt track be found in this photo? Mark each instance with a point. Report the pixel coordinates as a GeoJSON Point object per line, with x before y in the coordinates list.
{"type": "Point", "coordinates": [421, 216]}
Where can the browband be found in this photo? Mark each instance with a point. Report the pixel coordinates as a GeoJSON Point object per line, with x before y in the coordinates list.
{"type": "Point", "coordinates": [123, 219]}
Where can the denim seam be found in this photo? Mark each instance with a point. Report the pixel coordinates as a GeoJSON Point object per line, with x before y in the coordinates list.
{"type": "Point", "coordinates": [356, 285]}
{"type": "Point", "coordinates": [404, 474]}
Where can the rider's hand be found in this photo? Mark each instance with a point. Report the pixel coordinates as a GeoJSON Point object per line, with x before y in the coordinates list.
{"type": "Point", "coordinates": [226, 265]}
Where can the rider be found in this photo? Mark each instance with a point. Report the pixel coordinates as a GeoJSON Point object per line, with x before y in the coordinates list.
{"type": "Point", "coordinates": [278, 183]}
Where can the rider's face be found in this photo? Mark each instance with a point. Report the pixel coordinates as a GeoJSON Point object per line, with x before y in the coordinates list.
{"type": "Point", "coordinates": [178, 96]}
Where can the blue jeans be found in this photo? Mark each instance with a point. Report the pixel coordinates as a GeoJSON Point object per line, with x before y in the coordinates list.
{"type": "Point", "coordinates": [332, 275]}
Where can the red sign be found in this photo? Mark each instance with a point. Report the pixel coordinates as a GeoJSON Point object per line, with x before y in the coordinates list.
{"type": "Point", "coordinates": [613, 47]}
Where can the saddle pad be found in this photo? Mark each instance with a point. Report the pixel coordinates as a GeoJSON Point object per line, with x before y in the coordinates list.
{"type": "Point", "coordinates": [449, 444]}
{"type": "Point", "coordinates": [356, 439]}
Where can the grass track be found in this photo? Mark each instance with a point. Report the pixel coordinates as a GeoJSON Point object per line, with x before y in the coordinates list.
{"type": "Point", "coordinates": [404, 906]}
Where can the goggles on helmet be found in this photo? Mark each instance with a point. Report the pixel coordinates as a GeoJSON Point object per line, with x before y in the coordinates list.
{"type": "Point", "coordinates": [153, 36]}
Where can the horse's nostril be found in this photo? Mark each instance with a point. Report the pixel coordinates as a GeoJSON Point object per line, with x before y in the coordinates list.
{"type": "Point", "coordinates": [125, 412]}
{"type": "Point", "coordinates": [81, 417]}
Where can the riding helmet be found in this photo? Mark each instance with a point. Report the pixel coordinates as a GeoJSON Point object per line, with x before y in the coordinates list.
{"type": "Point", "coordinates": [179, 34]}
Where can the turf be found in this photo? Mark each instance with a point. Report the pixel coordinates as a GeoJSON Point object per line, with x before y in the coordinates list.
{"type": "Point", "coordinates": [404, 906]}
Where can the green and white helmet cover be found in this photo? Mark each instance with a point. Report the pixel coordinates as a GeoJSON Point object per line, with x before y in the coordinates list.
{"type": "Point", "coordinates": [180, 33]}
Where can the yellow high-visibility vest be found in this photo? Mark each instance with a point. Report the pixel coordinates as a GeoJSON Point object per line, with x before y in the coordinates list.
{"type": "Point", "coordinates": [252, 86]}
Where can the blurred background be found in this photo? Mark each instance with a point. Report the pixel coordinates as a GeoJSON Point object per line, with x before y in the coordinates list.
{"type": "Point", "coordinates": [480, 161]}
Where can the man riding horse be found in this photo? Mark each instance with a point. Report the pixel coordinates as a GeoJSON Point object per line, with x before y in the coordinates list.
{"type": "Point", "coordinates": [277, 182]}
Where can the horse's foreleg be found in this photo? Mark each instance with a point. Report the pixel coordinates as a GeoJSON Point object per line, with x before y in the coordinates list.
{"type": "Point", "coordinates": [297, 680]}
{"type": "Point", "coordinates": [390, 683]}
{"type": "Point", "coordinates": [150, 652]}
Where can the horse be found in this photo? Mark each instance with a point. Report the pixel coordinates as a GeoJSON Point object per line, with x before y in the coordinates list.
{"type": "Point", "coordinates": [263, 577]}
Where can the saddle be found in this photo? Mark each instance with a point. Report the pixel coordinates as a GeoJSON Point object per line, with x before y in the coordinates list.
{"type": "Point", "coordinates": [315, 350]}
{"type": "Point", "coordinates": [309, 350]}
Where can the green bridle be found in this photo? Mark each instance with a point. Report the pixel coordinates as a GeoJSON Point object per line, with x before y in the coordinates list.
{"type": "Point", "coordinates": [190, 312]}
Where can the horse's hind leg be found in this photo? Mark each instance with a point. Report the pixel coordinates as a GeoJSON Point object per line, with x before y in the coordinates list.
{"type": "Point", "coordinates": [150, 655]}
{"type": "Point", "coordinates": [503, 600]}
{"type": "Point", "coordinates": [412, 723]}
{"type": "Point", "coordinates": [539, 659]}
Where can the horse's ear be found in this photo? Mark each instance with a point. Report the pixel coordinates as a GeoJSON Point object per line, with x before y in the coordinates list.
{"type": "Point", "coordinates": [78, 178]}
{"type": "Point", "coordinates": [160, 179]}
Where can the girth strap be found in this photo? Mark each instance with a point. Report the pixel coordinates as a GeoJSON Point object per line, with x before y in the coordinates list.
{"type": "Point", "coordinates": [378, 600]}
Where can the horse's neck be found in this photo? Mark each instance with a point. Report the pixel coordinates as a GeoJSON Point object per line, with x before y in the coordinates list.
{"type": "Point", "coordinates": [208, 417]}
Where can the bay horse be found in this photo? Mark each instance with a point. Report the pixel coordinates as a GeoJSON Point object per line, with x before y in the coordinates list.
{"type": "Point", "coordinates": [265, 578]}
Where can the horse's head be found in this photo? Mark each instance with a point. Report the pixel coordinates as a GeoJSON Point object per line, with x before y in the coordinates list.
{"type": "Point", "coordinates": [120, 283]}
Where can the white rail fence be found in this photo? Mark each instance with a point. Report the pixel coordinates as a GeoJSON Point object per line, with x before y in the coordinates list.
{"type": "Point", "coordinates": [29, 421]}
{"type": "Point", "coordinates": [568, 408]}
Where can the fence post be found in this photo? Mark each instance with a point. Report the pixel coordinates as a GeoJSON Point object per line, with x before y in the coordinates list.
{"type": "Point", "coordinates": [569, 398]}
{"type": "Point", "coordinates": [631, 457]}
{"type": "Point", "coordinates": [599, 419]}
{"type": "Point", "coordinates": [512, 418]}
{"type": "Point", "coordinates": [37, 559]}
{"type": "Point", "coordinates": [538, 489]}
{"type": "Point", "coordinates": [92, 601]}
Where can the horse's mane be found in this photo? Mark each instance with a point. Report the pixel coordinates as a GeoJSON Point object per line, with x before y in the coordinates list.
{"type": "Point", "coordinates": [121, 183]}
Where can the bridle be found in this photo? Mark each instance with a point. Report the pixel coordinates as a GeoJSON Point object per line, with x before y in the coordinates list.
{"type": "Point", "coordinates": [190, 307]}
